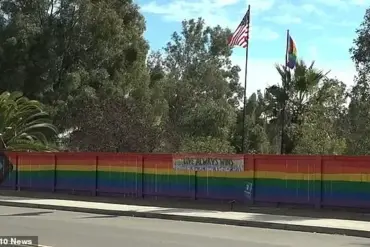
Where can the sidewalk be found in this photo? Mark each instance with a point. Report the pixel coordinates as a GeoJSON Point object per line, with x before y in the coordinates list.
{"type": "Point", "coordinates": [306, 224]}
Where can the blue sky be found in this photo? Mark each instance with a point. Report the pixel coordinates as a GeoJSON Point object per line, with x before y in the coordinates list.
{"type": "Point", "coordinates": [322, 29]}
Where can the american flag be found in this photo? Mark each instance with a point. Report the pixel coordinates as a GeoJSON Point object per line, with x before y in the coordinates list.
{"type": "Point", "coordinates": [241, 35]}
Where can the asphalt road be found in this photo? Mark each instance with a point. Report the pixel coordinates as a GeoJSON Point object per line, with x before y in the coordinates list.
{"type": "Point", "coordinates": [69, 229]}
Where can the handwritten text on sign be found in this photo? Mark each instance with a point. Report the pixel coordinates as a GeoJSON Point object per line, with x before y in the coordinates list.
{"type": "Point", "coordinates": [209, 164]}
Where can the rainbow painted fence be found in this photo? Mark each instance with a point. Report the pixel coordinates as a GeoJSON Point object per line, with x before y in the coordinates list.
{"type": "Point", "coordinates": [311, 180]}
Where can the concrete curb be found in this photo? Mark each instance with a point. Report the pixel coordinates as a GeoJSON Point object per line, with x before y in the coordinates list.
{"type": "Point", "coordinates": [257, 224]}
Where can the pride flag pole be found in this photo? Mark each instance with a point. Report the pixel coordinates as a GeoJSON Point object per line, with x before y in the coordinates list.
{"type": "Point", "coordinates": [282, 148]}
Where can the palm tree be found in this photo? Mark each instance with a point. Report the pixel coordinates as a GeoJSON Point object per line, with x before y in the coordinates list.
{"type": "Point", "coordinates": [289, 101]}
{"type": "Point", "coordinates": [24, 125]}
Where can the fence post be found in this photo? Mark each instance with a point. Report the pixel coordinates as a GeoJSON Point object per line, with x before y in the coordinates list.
{"type": "Point", "coordinates": [318, 182]}
{"type": "Point", "coordinates": [95, 192]}
{"type": "Point", "coordinates": [17, 173]}
{"type": "Point", "coordinates": [253, 178]}
{"type": "Point", "coordinates": [195, 184]}
{"type": "Point", "coordinates": [55, 173]}
{"type": "Point", "coordinates": [140, 192]}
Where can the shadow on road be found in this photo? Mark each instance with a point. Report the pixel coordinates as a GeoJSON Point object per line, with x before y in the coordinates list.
{"type": "Point", "coordinates": [27, 214]}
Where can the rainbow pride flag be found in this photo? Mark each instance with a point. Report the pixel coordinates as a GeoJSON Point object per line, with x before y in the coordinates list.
{"type": "Point", "coordinates": [291, 53]}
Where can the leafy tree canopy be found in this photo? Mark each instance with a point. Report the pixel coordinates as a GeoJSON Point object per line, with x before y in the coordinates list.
{"type": "Point", "coordinates": [86, 62]}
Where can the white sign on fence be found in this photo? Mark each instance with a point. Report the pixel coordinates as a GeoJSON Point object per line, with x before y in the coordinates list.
{"type": "Point", "coordinates": [209, 164]}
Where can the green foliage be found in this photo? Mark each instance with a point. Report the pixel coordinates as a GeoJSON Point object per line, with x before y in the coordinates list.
{"type": "Point", "coordinates": [256, 134]}
{"type": "Point", "coordinates": [24, 125]}
{"type": "Point", "coordinates": [115, 124]}
{"type": "Point", "coordinates": [321, 131]}
{"type": "Point", "coordinates": [59, 51]}
{"type": "Point", "coordinates": [293, 98]}
{"type": "Point", "coordinates": [201, 85]}
{"type": "Point", "coordinates": [205, 145]}
{"type": "Point", "coordinates": [85, 62]}
{"type": "Point", "coordinates": [357, 120]}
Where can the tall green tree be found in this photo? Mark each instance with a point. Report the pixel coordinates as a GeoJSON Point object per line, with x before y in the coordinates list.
{"type": "Point", "coordinates": [360, 50]}
{"type": "Point", "coordinates": [64, 51]}
{"type": "Point", "coordinates": [71, 54]}
{"type": "Point", "coordinates": [53, 49]}
{"type": "Point", "coordinates": [293, 99]}
{"type": "Point", "coordinates": [256, 131]}
{"type": "Point", "coordinates": [202, 86]}
{"type": "Point", "coordinates": [358, 118]}
{"type": "Point", "coordinates": [322, 130]}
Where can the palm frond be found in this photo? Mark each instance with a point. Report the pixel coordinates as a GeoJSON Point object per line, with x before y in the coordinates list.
{"type": "Point", "coordinates": [24, 125]}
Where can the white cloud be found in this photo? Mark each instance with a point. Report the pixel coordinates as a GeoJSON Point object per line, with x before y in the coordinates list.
{"type": "Point", "coordinates": [261, 72]}
{"type": "Point", "coordinates": [287, 13]}
{"type": "Point", "coordinates": [334, 3]}
{"type": "Point", "coordinates": [212, 12]}
{"type": "Point", "coordinates": [341, 41]}
{"type": "Point", "coordinates": [360, 2]}
{"type": "Point", "coordinates": [312, 9]}
{"type": "Point", "coordinates": [223, 3]}
{"type": "Point", "coordinates": [343, 4]}
{"type": "Point", "coordinates": [258, 6]}
{"type": "Point", "coordinates": [313, 53]}
{"type": "Point", "coordinates": [344, 70]}
{"type": "Point", "coordinates": [314, 26]}
{"type": "Point", "coordinates": [262, 33]}
{"type": "Point", "coordinates": [347, 24]}
{"type": "Point", "coordinates": [178, 10]}
{"type": "Point", "coordinates": [291, 9]}
{"type": "Point", "coordinates": [283, 19]}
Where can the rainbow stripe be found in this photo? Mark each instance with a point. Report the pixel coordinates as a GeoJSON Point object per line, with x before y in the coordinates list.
{"type": "Point", "coordinates": [291, 53]}
{"type": "Point", "coordinates": [313, 180]}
